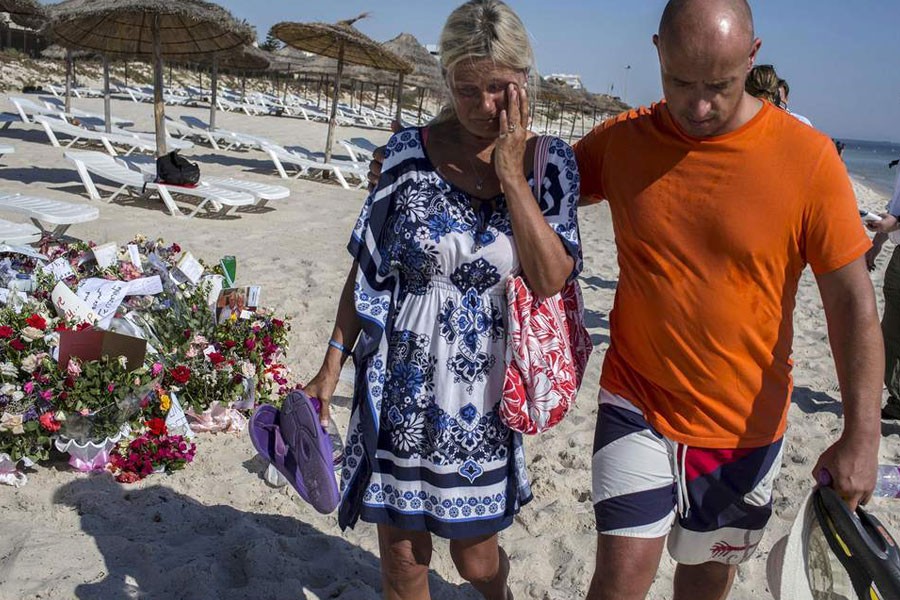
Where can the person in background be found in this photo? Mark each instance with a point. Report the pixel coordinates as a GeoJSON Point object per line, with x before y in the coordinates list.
{"type": "Point", "coordinates": [762, 83]}
{"type": "Point", "coordinates": [889, 227]}
{"type": "Point", "coordinates": [784, 92]}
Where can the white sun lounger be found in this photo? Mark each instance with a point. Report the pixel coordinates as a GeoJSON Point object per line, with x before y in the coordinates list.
{"type": "Point", "coordinates": [18, 234]}
{"type": "Point", "coordinates": [134, 183]}
{"type": "Point", "coordinates": [263, 192]}
{"type": "Point", "coordinates": [131, 141]}
{"type": "Point", "coordinates": [229, 139]}
{"type": "Point", "coordinates": [282, 156]}
{"type": "Point", "coordinates": [45, 212]}
{"type": "Point", "coordinates": [28, 109]}
{"type": "Point", "coordinates": [358, 154]}
{"type": "Point", "coordinates": [55, 103]}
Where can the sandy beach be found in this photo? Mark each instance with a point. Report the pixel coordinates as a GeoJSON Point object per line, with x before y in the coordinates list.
{"type": "Point", "coordinates": [216, 530]}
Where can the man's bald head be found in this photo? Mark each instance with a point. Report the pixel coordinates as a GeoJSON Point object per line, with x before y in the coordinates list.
{"type": "Point", "coordinates": [706, 23]}
{"type": "Point", "coordinates": [706, 48]}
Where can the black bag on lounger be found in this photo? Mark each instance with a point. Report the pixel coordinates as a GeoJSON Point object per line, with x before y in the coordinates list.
{"type": "Point", "coordinates": [174, 169]}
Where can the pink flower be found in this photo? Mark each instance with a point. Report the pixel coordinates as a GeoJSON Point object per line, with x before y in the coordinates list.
{"type": "Point", "coordinates": [110, 388]}
{"type": "Point", "coordinates": [28, 387]}
{"type": "Point", "coordinates": [74, 369]}
{"type": "Point", "coordinates": [250, 344]}
{"type": "Point", "coordinates": [156, 370]}
{"type": "Point", "coordinates": [47, 395]}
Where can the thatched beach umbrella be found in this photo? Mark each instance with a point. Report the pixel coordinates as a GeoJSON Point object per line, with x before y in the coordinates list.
{"type": "Point", "coordinates": [341, 41]}
{"type": "Point", "coordinates": [426, 73]}
{"type": "Point", "coordinates": [179, 30]}
{"type": "Point", "coordinates": [244, 58]}
{"type": "Point", "coordinates": [27, 13]}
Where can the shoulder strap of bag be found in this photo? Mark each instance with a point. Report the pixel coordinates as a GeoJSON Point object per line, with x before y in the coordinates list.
{"type": "Point", "coordinates": [541, 158]}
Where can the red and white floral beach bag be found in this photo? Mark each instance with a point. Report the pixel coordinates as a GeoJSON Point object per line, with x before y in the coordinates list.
{"type": "Point", "coordinates": [548, 346]}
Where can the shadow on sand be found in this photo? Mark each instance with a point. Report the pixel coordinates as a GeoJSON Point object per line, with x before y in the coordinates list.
{"type": "Point", "coordinates": [811, 401]}
{"type": "Point", "coordinates": [158, 543]}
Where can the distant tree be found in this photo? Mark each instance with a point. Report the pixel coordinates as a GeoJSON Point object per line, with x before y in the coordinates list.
{"type": "Point", "coordinates": [272, 43]}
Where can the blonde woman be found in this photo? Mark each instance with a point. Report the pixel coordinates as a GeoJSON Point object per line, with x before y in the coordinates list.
{"type": "Point", "coordinates": [452, 216]}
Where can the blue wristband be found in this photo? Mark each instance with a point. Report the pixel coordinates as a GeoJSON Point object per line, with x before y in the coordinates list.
{"type": "Point", "coordinates": [338, 346]}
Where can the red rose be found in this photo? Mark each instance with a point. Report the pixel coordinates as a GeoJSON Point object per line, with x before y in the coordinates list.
{"type": "Point", "coordinates": [277, 323]}
{"type": "Point", "coordinates": [61, 327]}
{"type": "Point", "coordinates": [156, 426]}
{"type": "Point", "coordinates": [250, 344]}
{"type": "Point", "coordinates": [6, 332]}
{"type": "Point", "coordinates": [49, 422]}
{"type": "Point", "coordinates": [37, 321]}
{"type": "Point", "coordinates": [180, 374]}
{"type": "Point", "coordinates": [83, 326]}
{"type": "Point", "coordinates": [187, 333]}
{"type": "Point", "coordinates": [215, 358]}
{"type": "Point", "coordinates": [175, 248]}
{"type": "Point", "coordinates": [17, 345]}
{"type": "Point", "coordinates": [229, 344]}
{"type": "Point", "coordinates": [127, 477]}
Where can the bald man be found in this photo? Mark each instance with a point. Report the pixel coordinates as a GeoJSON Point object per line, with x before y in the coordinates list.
{"type": "Point", "coordinates": [718, 202]}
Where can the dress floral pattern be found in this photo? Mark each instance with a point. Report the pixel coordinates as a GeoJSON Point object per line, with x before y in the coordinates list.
{"type": "Point", "coordinates": [426, 449]}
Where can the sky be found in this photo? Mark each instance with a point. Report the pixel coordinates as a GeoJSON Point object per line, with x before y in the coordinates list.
{"type": "Point", "coordinates": [840, 57]}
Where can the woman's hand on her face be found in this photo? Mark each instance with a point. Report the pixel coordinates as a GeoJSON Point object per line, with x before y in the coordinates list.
{"type": "Point", "coordinates": [509, 152]}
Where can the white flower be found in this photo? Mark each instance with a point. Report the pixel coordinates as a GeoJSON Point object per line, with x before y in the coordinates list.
{"type": "Point", "coordinates": [7, 389]}
{"type": "Point", "coordinates": [123, 362]}
{"type": "Point", "coordinates": [30, 334]}
{"type": "Point", "coordinates": [8, 369]}
{"type": "Point", "coordinates": [248, 370]}
{"type": "Point", "coordinates": [31, 362]}
{"type": "Point", "coordinates": [12, 423]}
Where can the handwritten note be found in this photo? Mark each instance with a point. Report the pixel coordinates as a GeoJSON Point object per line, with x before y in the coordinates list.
{"type": "Point", "coordinates": [59, 268]}
{"type": "Point", "coordinates": [71, 307]}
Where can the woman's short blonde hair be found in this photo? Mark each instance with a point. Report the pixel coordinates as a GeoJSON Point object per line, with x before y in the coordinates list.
{"type": "Point", "coordinates": [762, 82]}
{"type": "Point", "coordinates": [485, 29]}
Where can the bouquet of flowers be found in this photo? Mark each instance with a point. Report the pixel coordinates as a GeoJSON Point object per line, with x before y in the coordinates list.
{"type": "Point", "coordinates": [28, 380]}
{"type": "Point", "coordinates": [154, 451]}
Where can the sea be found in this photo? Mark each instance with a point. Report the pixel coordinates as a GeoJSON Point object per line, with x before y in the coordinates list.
{"type": "Point", "coordinates": [868, 162]}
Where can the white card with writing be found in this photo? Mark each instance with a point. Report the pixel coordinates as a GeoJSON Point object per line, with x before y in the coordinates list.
{"type": "Point", "coordinates": [59, 268]}
{"type": "Point", "coordinates": [190, 267]}
{"type": "Point", "coordinates": [145, 286]}
{"type": "Point", "coordinates": [215, 288]}
{"type": "Point", "coordinates": [103, 297]}
{"type": "Point", "coordinates": [71, 307]}
{"type": "Point", "coordinates": [106, 255]}
{"type": "Point", "coordinates": [135, 256]}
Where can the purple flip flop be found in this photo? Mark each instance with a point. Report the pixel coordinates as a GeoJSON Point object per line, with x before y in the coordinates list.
{"type": "Point", "coordinates": [294, 441]}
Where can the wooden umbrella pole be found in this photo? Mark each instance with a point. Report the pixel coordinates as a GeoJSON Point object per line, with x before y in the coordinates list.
{"type": "Point", "coordinates": [398, 116]}
{"type": "Point", "coordinates": [159, 107]}
{"type": "Point", "coordinates": [319, 91]}
{"type": "Point", "coordinates": [68, 80]}
{"type": "Point", "coordinates": [421, 101]}
{"type": "Point", "coordinates": [375, 103]}
{"type": "Point", "coordinates": [126, 73]}
{"type": "Point", "coordinates": [332, 122]}
{"type": "Point", "coordinates": [572, 130]}
{"type": "Point", "coordinates": [107, 110]}
{"type": "Point", "coordinates": [362, 86]}
{"type": "Point", "coordinates": [213, 92]}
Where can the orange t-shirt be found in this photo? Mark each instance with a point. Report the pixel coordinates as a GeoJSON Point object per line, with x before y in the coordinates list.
{"type": "Point", "coordinates": [712, 236]}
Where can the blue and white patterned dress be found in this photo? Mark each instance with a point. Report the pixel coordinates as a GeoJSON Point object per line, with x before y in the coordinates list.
{"type": "Point", "coordinates": [426, 449]}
